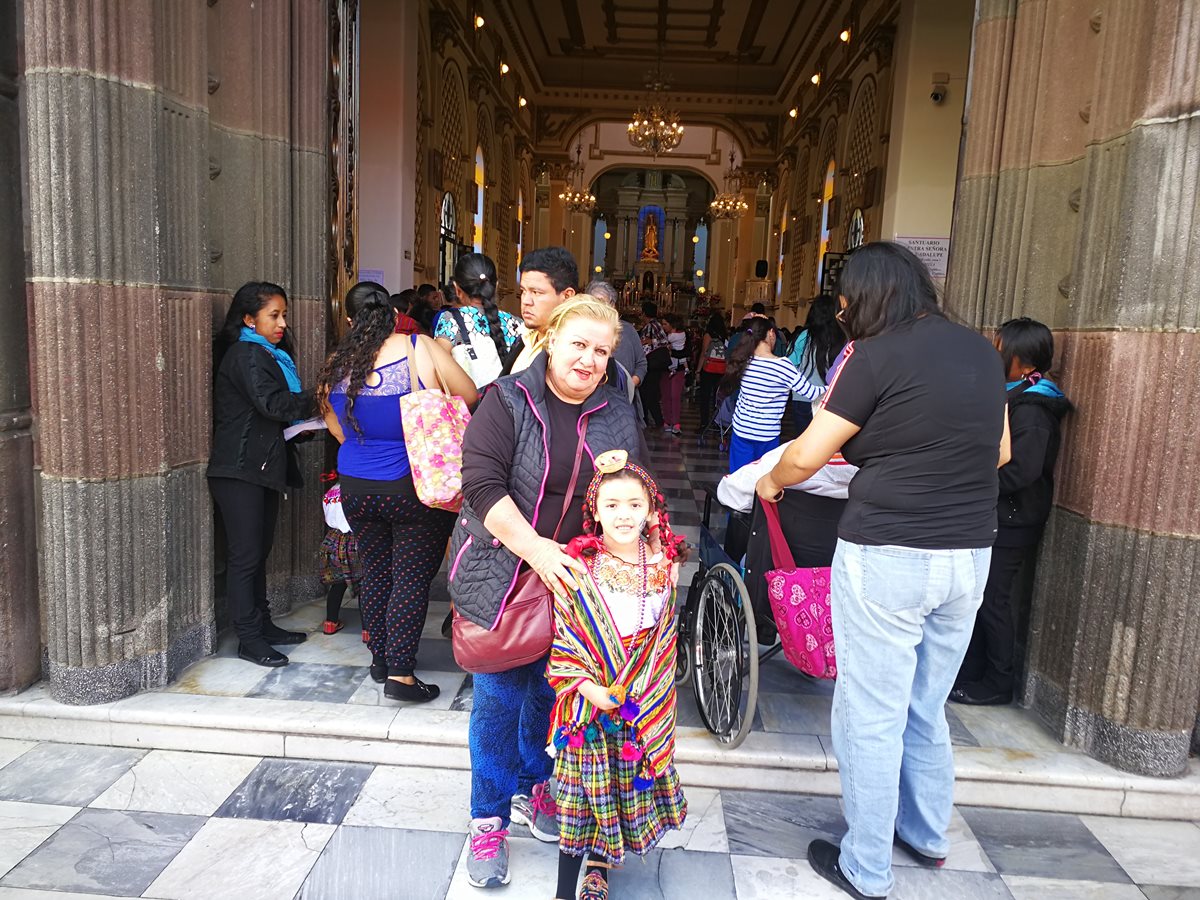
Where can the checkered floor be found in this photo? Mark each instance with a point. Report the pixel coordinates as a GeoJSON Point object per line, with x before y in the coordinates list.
{"type": "Point", "coordinates": [85, 820]}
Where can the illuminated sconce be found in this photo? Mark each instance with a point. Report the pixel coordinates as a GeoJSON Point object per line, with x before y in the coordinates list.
{"type": "Point", "coordinates": [503, 68]}
{"type": "Point", "coordinates": [599, 269]}
{"type": "Point", "coordinates": [700, 290]}
{"type": "Point", "coordinates": [522, 102]}
{"type": "Point", "coordinates": [816, 79]}
{"type": "Point", "coordinates": [695, 238]}
{"type": "Point", "coordinates": [478, 22]}
{"type": "Point", "coordinates": [844, 37]}
{"type": "Point", "coordinates": [792, 112]}
{"type": "Point", "coordinates": [699, 273]}
{"type": "Point", "coordinates": [607, 235]}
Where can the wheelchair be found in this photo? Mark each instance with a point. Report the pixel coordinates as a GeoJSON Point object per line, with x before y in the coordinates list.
{"type": "Point", "coordinates": [725, 633]}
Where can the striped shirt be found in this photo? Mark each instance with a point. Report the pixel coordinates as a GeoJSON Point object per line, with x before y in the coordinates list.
{"type": "Point", "coordinates": [763, 396]}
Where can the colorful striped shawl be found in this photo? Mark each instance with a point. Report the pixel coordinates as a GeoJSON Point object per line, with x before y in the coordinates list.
{"type": "Point", "coordinates": [587, 646]}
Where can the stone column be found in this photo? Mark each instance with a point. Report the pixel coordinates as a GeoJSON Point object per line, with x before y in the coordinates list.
{"type": "Point", "coordinates": [20, 656]}
{"type": "Point", "coordinates": [163, 172]}
{"type": "Point", "coordinates": [1087, 222]}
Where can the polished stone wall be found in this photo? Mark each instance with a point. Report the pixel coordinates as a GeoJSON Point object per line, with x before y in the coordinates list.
{"type": "Point", "coordinates": [176, 149]}
{"type": "Point", "coordinates": [1078, 204]}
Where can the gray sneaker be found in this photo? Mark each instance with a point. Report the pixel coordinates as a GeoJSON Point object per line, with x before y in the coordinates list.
{"type": "Point", "coordinates": [487, 864]}
{"type": "Point", "coordinates": [539, 812]}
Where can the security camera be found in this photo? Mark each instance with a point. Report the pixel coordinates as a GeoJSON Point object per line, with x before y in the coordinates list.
{"type": "Point", "coordinates": [940, 83]}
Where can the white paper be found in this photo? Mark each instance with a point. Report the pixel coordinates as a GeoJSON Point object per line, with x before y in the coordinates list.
{"type": "Point", "coordinates": [316, 423]}
{"type": "Point", "coordinates": [933, 251]}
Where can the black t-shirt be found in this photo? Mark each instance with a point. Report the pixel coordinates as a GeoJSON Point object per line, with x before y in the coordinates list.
{"type": "Point", "coordinates": [929, 399]}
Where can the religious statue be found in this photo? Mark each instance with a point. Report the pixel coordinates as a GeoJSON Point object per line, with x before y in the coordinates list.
{"type": "Point", "coordinates": [650, 239]}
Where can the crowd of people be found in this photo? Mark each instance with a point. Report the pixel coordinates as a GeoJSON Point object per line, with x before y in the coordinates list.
{"type": "Point", "coordinates": [925, 450]}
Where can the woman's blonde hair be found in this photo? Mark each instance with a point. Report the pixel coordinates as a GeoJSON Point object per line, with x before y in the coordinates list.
{"type": "Point", "coordinates": [585, 306]}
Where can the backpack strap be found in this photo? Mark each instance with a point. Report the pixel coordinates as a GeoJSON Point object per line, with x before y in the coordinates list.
{"type": "Point", "coordinates": [465, 338]}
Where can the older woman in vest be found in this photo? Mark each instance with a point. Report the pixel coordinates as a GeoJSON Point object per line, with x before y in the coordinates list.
{"type": "Point", "coordinates": [518, 457]}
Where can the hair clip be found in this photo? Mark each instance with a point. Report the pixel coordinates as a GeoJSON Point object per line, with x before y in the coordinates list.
{"type": "Point", "coordinates": [611, 461]}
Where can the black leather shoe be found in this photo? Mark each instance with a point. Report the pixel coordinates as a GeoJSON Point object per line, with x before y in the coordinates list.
{"type": "Point", "coordinates": [262, 654]}
{"type": "Point", "coordinates": [921, 859]}
{"type": "Point", "coordinates": [980, 695]}
{"type": "Point", "coordinates": [420, 692]}
{"type": "Point", "coordinates": [277, 636]}
{"type": "Point", "coordinates": [823, 857]}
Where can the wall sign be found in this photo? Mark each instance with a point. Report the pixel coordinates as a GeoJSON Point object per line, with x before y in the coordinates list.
{"type": "Point", "coordinates": [933, 251]}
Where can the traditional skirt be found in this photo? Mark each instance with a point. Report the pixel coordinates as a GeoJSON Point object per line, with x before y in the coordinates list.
{"type": "Point", "coordinates": [338, 557]}
{"type": "Point", "coordinates": [600, 812]}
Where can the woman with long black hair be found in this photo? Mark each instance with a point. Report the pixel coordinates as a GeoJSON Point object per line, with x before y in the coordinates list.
{"type": "Point", "coordinates": [919, 405]}
{"type": "Point", "coordinates": [814, 350]}
{"type": "Point", "coordinates": [400, 540]}
{"type": "Point", "coordinates": [256, 393]}
{"type": "Point", "coordinates": [484, 333]}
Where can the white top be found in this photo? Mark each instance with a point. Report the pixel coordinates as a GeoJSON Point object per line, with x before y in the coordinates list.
{"type": "Point", "coordinates": [620, 584]}
{"type": "Point", "coordinates": [763, 396]}
{"type": "Point", "coordinates": [736, 490]}
{"type": "Point", "coordinates": [334, 517]}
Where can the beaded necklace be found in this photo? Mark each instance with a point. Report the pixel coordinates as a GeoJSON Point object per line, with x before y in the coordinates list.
{"type": "Point", "coordinates": [645, 591]}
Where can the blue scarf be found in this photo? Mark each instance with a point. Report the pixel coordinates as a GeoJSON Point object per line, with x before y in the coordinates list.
{"type": "Point", "coordinates": [1038, 385]}
{"type": "Point", "coordinates": [250, 336]}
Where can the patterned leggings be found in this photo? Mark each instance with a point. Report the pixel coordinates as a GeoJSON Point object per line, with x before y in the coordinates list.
{"type": "Point", "coordinates": [401, 542]}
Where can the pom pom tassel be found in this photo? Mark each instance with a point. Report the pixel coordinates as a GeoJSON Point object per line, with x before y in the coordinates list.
{"type": "Point", "coordinates": [560, 738]}
{"type": "Point", "coordinates": [591, 733]}
{"type": "Point", "coordinates": [576, 740]}
{"type": "Point", "coordinates": [643, 781]}
{"type": "Point", "coordinates": [630, 709]}
{"type": "Point", "coordinates": [630, 752]}
{"type": "Point", "coordinates": [610, 725]}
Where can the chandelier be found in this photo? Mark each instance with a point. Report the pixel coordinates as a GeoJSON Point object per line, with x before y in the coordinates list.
{"type": "Point", "coordinates": [729, 203]}
{"type": "Point", "coordinates": [575, 198]}
{"type": "Point", "coordinates": [654, 127]}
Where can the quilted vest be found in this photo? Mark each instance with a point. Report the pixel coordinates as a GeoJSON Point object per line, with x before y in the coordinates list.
{"type": "Point", "coordinates": [482, 570]}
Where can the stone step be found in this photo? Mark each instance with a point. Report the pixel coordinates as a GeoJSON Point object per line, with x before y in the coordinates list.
{"type": "Point", "coordinates": [412, 736]}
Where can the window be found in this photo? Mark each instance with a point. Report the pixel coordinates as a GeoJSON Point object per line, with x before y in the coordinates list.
{"type": "Point", "coordinates": [826, 225]}
{"type": "Point", "coordinates": [854, 239]}
{"type": "Point", "coordinates": [477, 222]}
{"type": "Point", "coordinates": [448, 241]}
{"type": "Point", "coordinates": [520, 224]}
{"type": "Point", "coordinates": [599, 250]}
{"type": "Point", "coordinates": [783, 224]}
{"type": "Point", "coordinates": [701, 257]}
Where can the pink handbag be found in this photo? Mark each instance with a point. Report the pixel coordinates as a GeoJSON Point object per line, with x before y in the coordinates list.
{"type": "Point", "coordinates": [434, 422]}
{"type": "Point", "coordinates": [800, 603]}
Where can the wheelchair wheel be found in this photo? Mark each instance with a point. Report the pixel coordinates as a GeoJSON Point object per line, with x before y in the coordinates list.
{"type": "Point", "coordinates": [683, 634]}
{"type": "Point", "coordinates": [724, 655]}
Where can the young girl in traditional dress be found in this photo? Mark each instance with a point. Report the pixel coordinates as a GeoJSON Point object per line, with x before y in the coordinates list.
{"type": "Point", "coordinates": [338, 557]}
{"type": "Point", "coordinates": [612, 667]}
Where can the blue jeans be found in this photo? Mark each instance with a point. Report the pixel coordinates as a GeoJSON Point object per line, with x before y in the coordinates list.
{"type": "Point", "coordinates": [509, 731]}
{"type": "Point", "coordinates": [902, 620]}
{"type": "Point", "coordinates": [743, 452]}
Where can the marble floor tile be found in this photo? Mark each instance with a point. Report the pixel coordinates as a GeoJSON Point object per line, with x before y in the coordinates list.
{"type": "Point", "coordinates": [339, 649]}
{"type": "Point", "coordinates": [65, 774]}
{"type": "Point", "coordinates": [533, 867]}
{"type": "Point", "coordinates": [219, 676]}
{"type": "Point", "coordinates": [371, 694]}
{"type": "Point", "coordinates": [297, 791]}
{"type": "Point", "coordinates": [178, 782]}
{"type": "Point", "coordinates": [10, 750]}
{"type": "Point", "coordinates": [772, 878]}
{"type": "Point", "coordinates": [777, 675]}
{"type": "Point", "coordinates": [307, 617]}
{"type": "Point", "coordinates": [764, 824]}
{"type": "Point", "coordinates": [13, 893]}
{"type": "Point", "coordinates": [1009, 727]}
{"type": "Point", "coordinates": [1151, 852]}
{"type": "Point", "coordinates": [106, 851]}
{"type": "Point", "coordinates": [24, 826]}
{"type": "Point", "coordinates": [674, 875]}
{"type": "Point", "coordinates": [311, 681]}
{"type": "Point", "coordinates": [966, 854]}
{"type": "Point", "coordinates": [945, 884]}
{"type": "Point", "coordinates": [233, 859]}
{"type": "Point", "coordinates": [1049, 845]}
{"type": "Point", "coordinates": [463, 699]}
{"type": "Point", "coordinates": [960, 735]}
{"type": "Point", "coordinates": [1023, 887]}
{"type": "Point", "coordinates": [1165, 892]}
{"type": "Point", "coordinates": [414, 798]}
{"type": "Point", "coordinates": [794, 713]}
{"type": "Point", "coordinates": [704, 829]}
{"type": "Point", "coordinates": [436, 655]}
{"type": "Point", "coordinates": [384, 864]}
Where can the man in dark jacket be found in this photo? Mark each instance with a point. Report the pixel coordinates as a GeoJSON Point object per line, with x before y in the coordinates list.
{"type": "Point", "coordinates": [1036, 407]}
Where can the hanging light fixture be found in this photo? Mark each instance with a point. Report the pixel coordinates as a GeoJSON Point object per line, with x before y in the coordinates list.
{"type": "Point", "coordinates": [655, 127]}
{"type": "Point", "coordinates": [729, 204]}
{"type": "Point", "coordinates": [575, 198]}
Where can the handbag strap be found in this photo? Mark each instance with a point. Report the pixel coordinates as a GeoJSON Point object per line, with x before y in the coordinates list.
{"type": "Point", "coordinates": [574, 476]}
{"type": "Point", "coordinates": [464, 338]}
{"type": "Point", "coordinates": [414, 377]}
{"type": "Point", "coordinates": [781, 553]}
